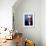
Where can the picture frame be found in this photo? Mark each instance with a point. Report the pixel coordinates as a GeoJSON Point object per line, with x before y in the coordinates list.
{"type": "Point", "coordinates": [28, 19]}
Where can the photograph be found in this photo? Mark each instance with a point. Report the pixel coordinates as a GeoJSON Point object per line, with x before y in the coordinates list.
{"type": "Point", "coordinates": [28, 20]}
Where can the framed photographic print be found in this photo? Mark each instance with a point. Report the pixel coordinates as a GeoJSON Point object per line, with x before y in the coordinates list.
{"type": "Point", "coordinates": [28, 20]}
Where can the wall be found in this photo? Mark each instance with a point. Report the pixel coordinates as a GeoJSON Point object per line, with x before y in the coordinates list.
{"type": "Point", "coordinates": [43, 22]}
{"type": "Point", "coordinates": [6, 13]}
{"type": "Point", "coordinates": [33, 33]}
